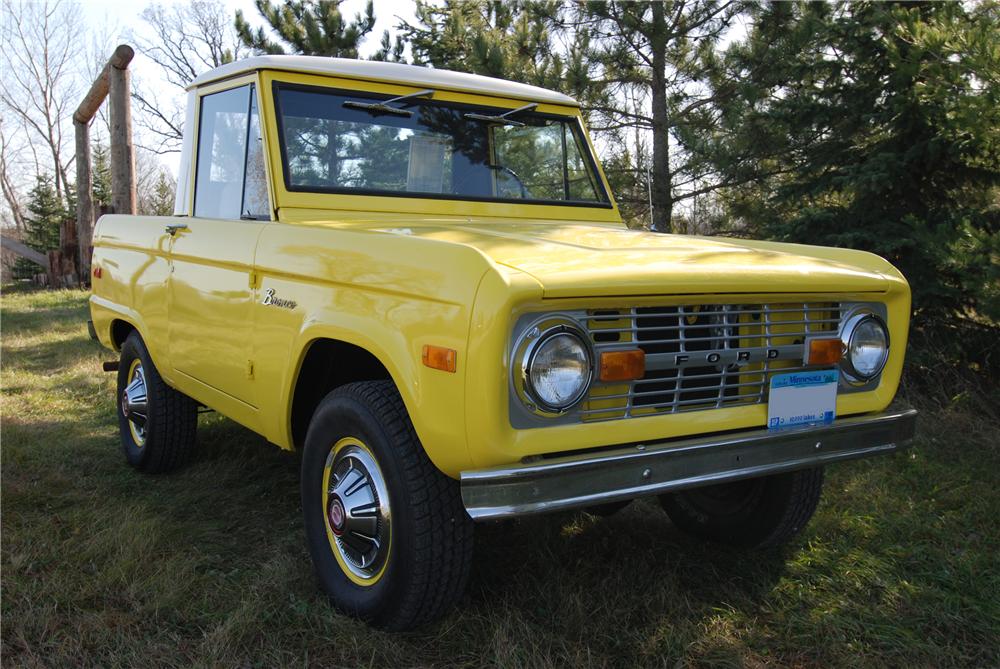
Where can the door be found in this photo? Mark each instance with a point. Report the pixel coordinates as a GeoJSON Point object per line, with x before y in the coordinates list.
{"type": "Point", "coordinates": [211, 289]}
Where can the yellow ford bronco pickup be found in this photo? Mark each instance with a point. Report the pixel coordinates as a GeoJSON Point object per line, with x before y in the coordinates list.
{"type": "Point", "coordinates": [420, 280]}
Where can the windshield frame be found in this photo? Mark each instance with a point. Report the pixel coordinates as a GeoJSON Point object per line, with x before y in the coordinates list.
{"type": "Point", "coordinates": [573, 123]}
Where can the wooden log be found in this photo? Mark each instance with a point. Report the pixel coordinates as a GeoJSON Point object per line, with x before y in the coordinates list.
{"type": "Point", "coordinates": [25, 251]}
{"type": "Point", "coordinates": [62, 271]}
{"type": "Point", "coordinates": [68, 240]}
{"type": "Point", "coordinates": [84, 199]}
{"type": "Point", "coordinates": [54, 269]}
{"type": "Point", "coordinates": [99, 89]}
{"type": "Point", "coordinates": [123, 197]}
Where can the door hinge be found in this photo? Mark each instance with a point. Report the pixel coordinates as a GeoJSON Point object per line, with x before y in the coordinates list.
{"type": "Point", "coordinates": [249, 369]}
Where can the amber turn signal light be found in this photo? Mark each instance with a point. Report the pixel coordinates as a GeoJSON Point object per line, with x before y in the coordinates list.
{"type": "Point", "coordinates": [824, 351]}
{"type": "Point", "coordinates": [623, 365]}
{"type": "Point", "coordinates": [439, 357]}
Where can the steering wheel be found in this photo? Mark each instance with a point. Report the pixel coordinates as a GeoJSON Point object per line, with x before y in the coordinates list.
{"type": "Point", "coordinates": [525, 193]}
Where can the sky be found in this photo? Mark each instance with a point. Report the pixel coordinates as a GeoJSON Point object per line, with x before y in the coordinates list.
{"type": "Point", "coordinates": [120, 20]}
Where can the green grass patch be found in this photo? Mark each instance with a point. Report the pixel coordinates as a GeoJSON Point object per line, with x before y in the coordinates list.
{"type": "Point", "coordinates": [102, 566]}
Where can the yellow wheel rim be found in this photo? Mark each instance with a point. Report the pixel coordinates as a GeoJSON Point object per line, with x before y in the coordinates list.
{"type": "Point", "coordinates": [356, 511]}
{"type": "Point", "coordinates": [134, 403]}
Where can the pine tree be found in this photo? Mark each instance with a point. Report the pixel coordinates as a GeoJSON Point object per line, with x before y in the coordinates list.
{"type": "Point", "coordinates": [667, 51]}
{"type": "Point", "coordinates": [391, 50]}
{"type": "Point", "coordinates": [160, 201]}
{"type": "Point", "coordinates": [101, 176]}
{"type": "Point", "coordinates": [310, 27]}
{"type": "Point", "coordinates": [508, 40]}
{"type": "Point", "coordinates": [45, 213]}
{"type": "Point", "coordinates": [874, 126]}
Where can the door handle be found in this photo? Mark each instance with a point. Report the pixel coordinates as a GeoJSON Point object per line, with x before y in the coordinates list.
{"type": "Point", "coordinates": [174, 227]}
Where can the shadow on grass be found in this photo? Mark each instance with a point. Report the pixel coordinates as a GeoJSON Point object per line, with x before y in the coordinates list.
{"type": "Point", "coordinates": [39, 311]}
{"type": "Point", "coordinates": [549, 590]}
{"type": "Point", "coordinates": [103, 566]}
{"type": "Point", "coordinates": [54, 354]}
{"type": "Point", "coordinates": [252, 487]}
{"type": "Point", "coordinates": [604, 582]}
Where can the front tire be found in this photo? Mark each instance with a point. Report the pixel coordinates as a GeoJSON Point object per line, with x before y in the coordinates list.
{"type": "Point", "coordinates": [754, 513]}
{"type": "Point", "coordinates": [157, 424]}
{"type": "Point", "coordinates": [389, 537]}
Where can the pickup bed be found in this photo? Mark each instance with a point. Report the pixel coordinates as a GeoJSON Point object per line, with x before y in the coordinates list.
{"type": "Point", "coordinates": [420, 279]}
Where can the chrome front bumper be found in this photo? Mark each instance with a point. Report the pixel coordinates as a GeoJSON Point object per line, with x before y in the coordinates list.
{"type": "Point", "coordinates": [649, 469]}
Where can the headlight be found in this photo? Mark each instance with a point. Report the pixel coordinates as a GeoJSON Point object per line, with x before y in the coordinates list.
{"type": "Point", "coordinates": [557, 369]}
{"type": "Point", "coordinates": [866, 346]}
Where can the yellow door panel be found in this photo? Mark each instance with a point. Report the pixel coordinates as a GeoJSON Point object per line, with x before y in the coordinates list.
{"type": "Point", "coordinates": [210, 300]}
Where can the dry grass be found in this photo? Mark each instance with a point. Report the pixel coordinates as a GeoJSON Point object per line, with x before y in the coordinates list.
{"type": "Point", "coordinates": [105, 567]}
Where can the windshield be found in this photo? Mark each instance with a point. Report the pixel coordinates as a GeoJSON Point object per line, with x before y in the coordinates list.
{"type": "Point", "coordinates": [353, 142]}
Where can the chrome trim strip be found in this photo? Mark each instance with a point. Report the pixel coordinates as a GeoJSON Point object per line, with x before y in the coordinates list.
{"type": "Point", "coordinates": [649, 469]}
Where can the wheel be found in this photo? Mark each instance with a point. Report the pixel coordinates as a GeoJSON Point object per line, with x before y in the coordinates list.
{"type": "Point", "coordinates": [754, 513]}
{"type": "Point", "coordinates": [157, 424]}
{"type": "Point", "coordinates": [608, 509]}
{"type": "Point", "coordinates": [389, 537]}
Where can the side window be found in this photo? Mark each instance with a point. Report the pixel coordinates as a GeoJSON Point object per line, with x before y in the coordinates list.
{"type": "Point", "coordinates": [580, 180]}
{"type": "Point", "coordinates": [255, 202]}
{"type": "Point", "coordinates": [230, 180]}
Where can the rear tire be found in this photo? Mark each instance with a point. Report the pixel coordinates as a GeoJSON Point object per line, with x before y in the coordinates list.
{"type": "Point", "coordinates": [755, 513]}
{"type": "Point", "coordinates": [389, 537]}
{"type": "Point", "coordinates": [157, 424]}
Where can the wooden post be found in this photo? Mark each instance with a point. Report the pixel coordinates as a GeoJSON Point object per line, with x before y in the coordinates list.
{"type": "Point", "coordinates": [114, 78]}
{"type": "Point", "coordinates": [84, 199]}
{"type": "Point", "coordinates": [122, 152]}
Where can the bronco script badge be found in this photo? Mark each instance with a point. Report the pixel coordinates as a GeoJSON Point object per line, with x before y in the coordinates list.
{"type": "Point", "coordinates": [271, 300]}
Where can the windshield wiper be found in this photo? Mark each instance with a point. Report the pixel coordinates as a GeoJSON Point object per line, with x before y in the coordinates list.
{"type": "Point", "coordinates": [501, 118]}
{"type": "Point", "coordinates": [383, 106]}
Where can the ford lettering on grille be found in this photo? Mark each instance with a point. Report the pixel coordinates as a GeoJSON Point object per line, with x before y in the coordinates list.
{"type": "Point", "coordinates": [724, 357]}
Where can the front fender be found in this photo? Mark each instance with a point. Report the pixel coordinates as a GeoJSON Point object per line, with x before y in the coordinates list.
{"type": "Point", "coordinates": [434, 399]}
{"type": "Point", "coordinates": [389, 294]}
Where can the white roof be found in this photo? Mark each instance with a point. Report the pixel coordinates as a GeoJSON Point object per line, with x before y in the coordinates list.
{"type": "Point", "coordinates": [397, 73]}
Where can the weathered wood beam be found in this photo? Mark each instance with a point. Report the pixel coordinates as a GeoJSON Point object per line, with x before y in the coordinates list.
{"type": "Point", "coordinates": [84, 201]}
{"type": "Point", "coordinates": [25, 251]}
{"type": "Point", "coordinates": [99, 89]}
{"type": "Point", "coordinates": [122, 153]}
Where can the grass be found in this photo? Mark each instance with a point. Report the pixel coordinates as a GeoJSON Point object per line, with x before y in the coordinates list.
{"type": "Point", "coordinates": [105, 567]}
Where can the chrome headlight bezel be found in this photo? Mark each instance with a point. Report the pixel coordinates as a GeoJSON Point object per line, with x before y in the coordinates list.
{"type": "Point", "coordinates": [531, 341]}
{"type": "Point", "coordinates": [848, 330]}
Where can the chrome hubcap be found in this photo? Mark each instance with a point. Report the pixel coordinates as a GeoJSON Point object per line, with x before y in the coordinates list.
{"type": "Point", "coordinates": [357, 511]}
{"type": "Point", "coordinates": [134, 405]}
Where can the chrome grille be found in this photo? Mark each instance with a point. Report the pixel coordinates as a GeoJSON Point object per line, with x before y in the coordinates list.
{"type": "Point", "coordinates": [665, 332]}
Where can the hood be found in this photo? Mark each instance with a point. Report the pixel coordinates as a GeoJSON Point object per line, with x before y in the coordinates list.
{"type": "Point", "coordinates": [594, 260]}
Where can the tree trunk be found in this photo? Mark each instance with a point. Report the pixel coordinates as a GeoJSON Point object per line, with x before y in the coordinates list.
{"type": "Point", "coordinates": [662, 199]}
{"type": "Point", "coordinates": [10, 195]}
{"type": "Point", "coordinates": [85, 204]}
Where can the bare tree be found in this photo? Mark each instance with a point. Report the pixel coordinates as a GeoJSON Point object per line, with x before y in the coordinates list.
{"type": "Point", "coordinates": [186, 40]}
{"type": "Point", "coordinates": [149, 177]}
{"type": "Point", "coordinates": [14, 212]}
{"type": "Point", "coordinates": [101, 41]}
{"type": "Point", "coordinates": [39, 41]}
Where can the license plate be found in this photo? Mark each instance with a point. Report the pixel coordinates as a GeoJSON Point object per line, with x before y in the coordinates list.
{"type": "Point", "coordinates": [801, 398]}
